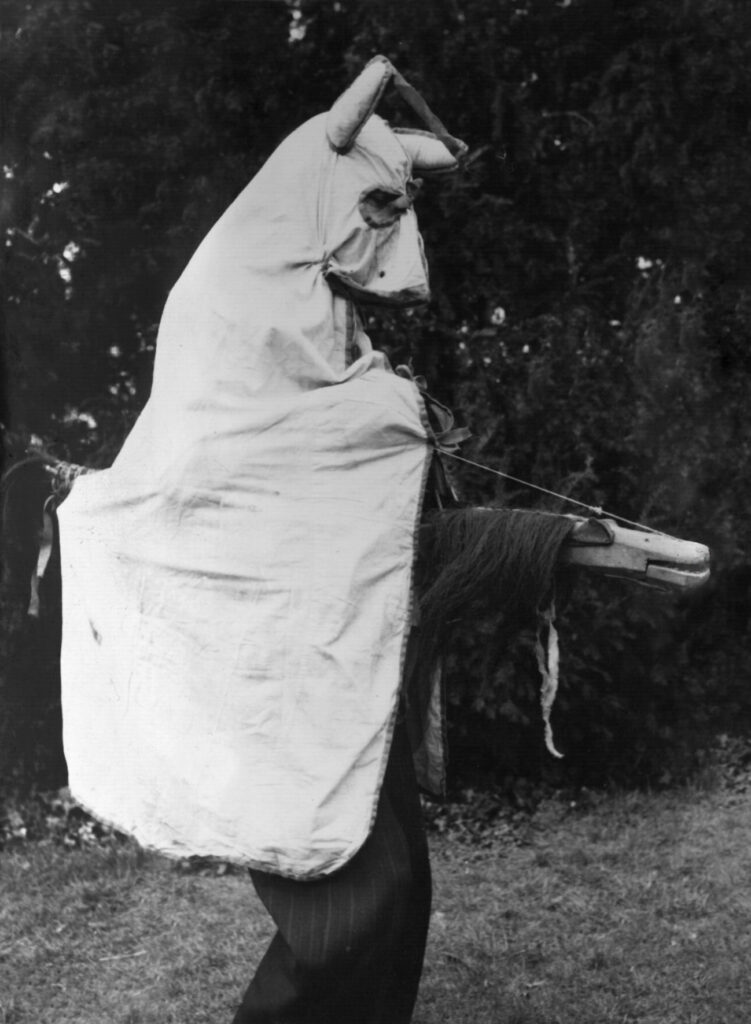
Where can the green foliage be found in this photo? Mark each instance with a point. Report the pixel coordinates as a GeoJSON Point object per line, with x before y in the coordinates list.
{"type": "Point", "coordinates": [589, 266]}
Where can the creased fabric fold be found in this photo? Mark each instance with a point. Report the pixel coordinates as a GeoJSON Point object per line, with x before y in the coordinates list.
{"type": "Point", "coordinates": [236, 588]}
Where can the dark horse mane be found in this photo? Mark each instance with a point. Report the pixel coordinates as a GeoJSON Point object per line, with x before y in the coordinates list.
{"type": "Point", "coordinates": [501, 558]}
{"type": "Point", "coordinates": [496, 564]}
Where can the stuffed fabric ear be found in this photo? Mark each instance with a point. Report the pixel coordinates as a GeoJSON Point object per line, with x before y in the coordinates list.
{"type": "Point", "coordinates": [353, 108]}
{"type": "Point", "coordinates": [429, 155]}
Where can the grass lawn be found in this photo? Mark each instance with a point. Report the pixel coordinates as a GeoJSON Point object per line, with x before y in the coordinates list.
{"type": "Point", "coordinates": [637, 909]}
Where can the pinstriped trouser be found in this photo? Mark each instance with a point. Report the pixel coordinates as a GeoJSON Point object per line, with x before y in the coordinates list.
{"type": "Point", "coordinates": [349, 947]}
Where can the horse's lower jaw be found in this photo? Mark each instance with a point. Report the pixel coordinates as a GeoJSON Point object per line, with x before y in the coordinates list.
{"type": "Point", "coordinates": [656, 559]}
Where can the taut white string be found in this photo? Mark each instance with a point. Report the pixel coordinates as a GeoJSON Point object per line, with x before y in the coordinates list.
{"type": "Point", "coordinates": [596, 510]}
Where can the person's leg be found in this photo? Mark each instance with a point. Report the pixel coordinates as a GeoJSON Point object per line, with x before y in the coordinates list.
{"type": "Point", "coordinates": [350, 946]}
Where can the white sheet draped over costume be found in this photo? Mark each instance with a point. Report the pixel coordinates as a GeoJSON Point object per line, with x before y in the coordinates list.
{"type": "Point", "coordinates": [236, 588]}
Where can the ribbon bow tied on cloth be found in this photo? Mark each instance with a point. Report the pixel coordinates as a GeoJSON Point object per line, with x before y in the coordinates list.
{"type": "Point", "coordinates": [446, 435]}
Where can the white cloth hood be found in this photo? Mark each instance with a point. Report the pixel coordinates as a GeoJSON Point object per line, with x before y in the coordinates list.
{"type": "Point", "coordinates": [261, 272]}
{"type": "Point", "coordinates": [237, 587]}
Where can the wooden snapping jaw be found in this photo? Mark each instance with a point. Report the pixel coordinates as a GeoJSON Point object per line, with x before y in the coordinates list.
{"type": "Point", "coordinates": [655, 559]}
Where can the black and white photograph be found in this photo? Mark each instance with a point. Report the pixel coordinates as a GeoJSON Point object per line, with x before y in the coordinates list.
{"type": "Point", "coordinates": [375, 560]}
